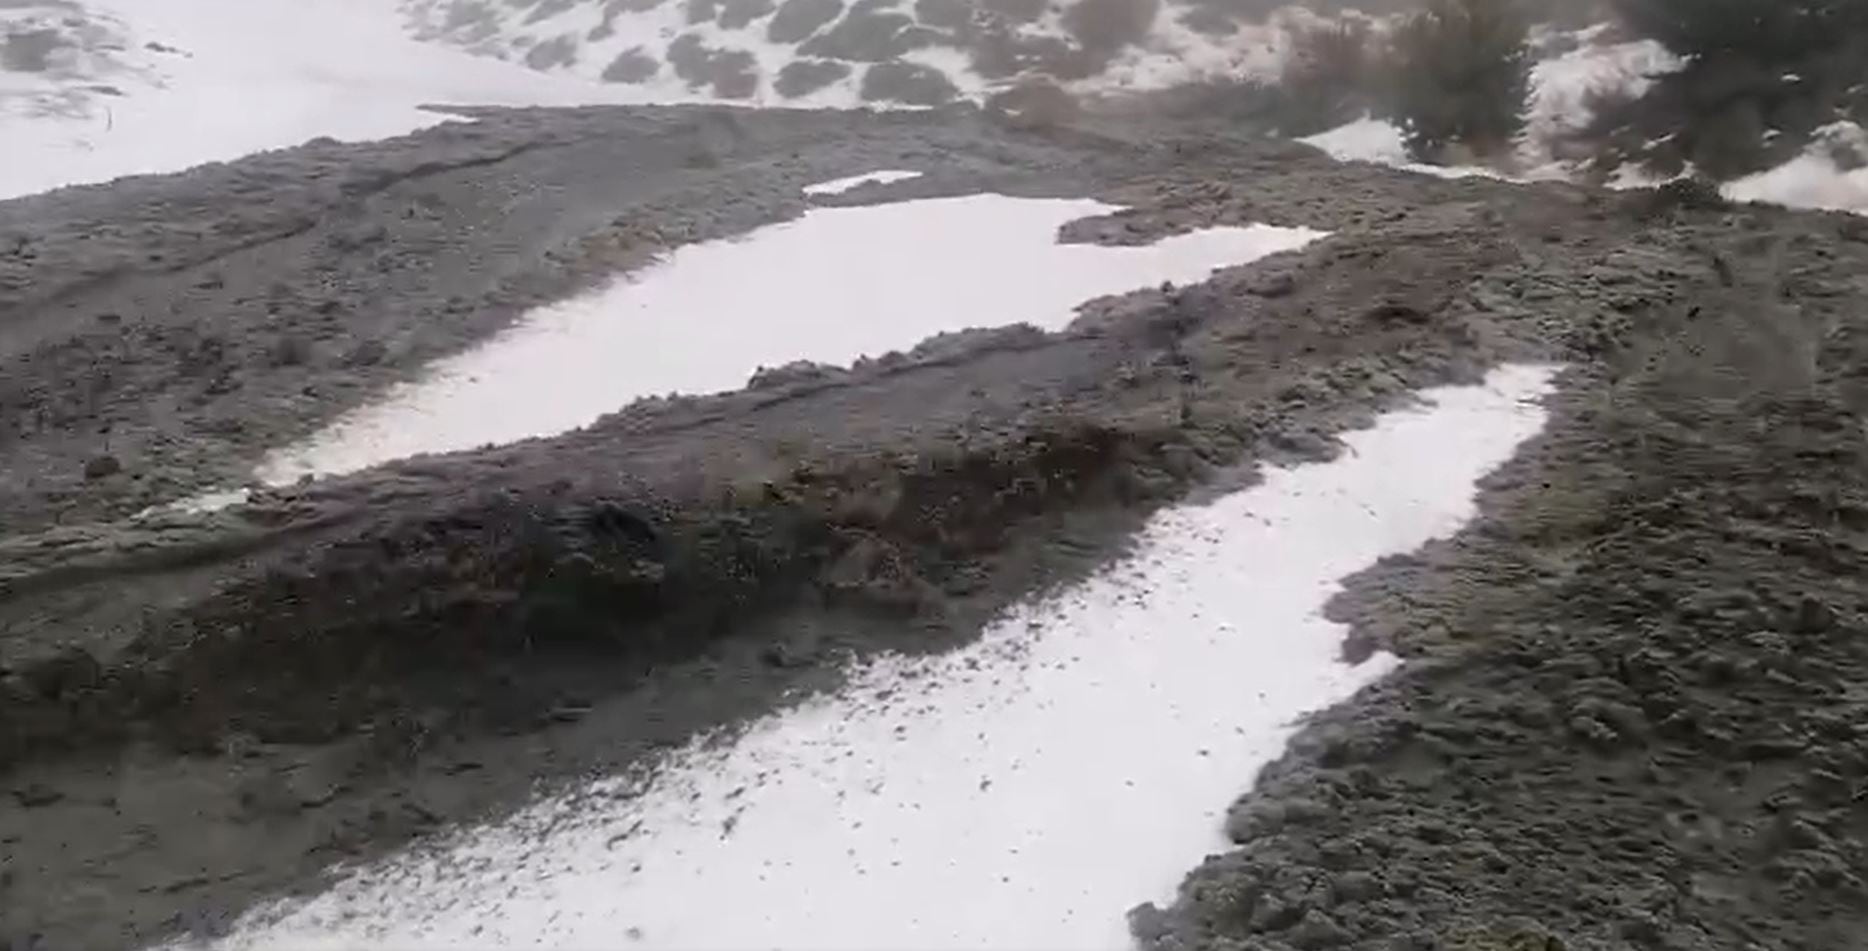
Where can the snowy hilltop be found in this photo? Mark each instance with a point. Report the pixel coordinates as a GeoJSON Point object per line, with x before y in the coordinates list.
{"type": "Point", "coordinates": [94, 89]}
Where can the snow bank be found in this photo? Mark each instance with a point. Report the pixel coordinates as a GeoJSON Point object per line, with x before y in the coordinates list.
{"type": "Point", "coordinates": [1023, 792]}
{"type": "Point", "coordinates": [1831, 174]}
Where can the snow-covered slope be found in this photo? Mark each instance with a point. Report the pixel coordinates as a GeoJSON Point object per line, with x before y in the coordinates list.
{"type": "Point", "coordinates": [95, 89]}
{"type": "Point", "coordinates": [98, 89]}
{"type": "Point", "coordinates": [842, 52]}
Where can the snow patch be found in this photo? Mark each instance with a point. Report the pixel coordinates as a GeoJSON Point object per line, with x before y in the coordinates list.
{"type": "Point", "coordinates": [1367, 139]}
{"type": "Point", "coordinates": [1831, 174]}
{"type": "Point", "coordinates": [833, 286]}
{"type": "Point", "coordinates": [1563, 87]}
{"type": "Point", "coordinates": [1380, 142]}
{"type": "Point", "coordinates": [840, 185]}
{"type": "Point", "coordinates": [1022, 792]}
{"type": "Point", "coordinates": [206, 503]}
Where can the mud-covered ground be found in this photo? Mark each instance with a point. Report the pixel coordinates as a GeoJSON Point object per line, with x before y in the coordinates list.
{"type": "Point", "coordinates": [203, 712]}
{"type": "Point", "coordinates": [1633, 718]}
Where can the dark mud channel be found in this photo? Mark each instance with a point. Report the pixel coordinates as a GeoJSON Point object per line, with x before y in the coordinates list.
{"type": "Point", "coordinates": [1630, 712]}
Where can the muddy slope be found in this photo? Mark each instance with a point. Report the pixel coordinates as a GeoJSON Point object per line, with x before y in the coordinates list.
{"type": "Point", "coordinates": [162, 333]}
{"type": "Point", "coordinates": [339, 667]}
{"type": "Point", "coordinates": [203, 713]}
{"type": "Point", "coordinates": [1633, 713]}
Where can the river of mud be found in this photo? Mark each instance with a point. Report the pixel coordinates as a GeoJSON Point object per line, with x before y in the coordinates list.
{"type": "Point", "coordinates": [1624, 716]}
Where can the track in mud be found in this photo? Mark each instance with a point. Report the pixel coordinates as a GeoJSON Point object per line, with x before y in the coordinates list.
{"type": "Point", "coordinates": [591, 600]}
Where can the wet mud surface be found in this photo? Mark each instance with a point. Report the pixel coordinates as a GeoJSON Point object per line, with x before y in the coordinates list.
{"type": "Point", "coordinates": [204, 712]}
{"type": "Point", "coordinates": [1632, 716]}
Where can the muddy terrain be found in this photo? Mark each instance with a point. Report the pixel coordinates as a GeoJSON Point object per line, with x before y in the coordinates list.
{"type": "Point", "coordinates": [1632, 715]}
{"type": "Point", "coordinates": [1628, 713]}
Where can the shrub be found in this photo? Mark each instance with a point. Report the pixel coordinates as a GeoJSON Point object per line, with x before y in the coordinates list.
{"type": "Point", "coordinates": [1332, 77]}
{"type": "Point", "coordinates": [1763, 31]}
{"type": "Point", "coordinates": [1760, 77]}
{"type": "Point", "coordinates": [1461, 75]}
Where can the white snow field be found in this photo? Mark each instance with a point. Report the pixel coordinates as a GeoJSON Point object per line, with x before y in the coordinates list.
{"type": "Point", "coordinates": [92, 90]}
{"type": "Point", "coordinates": [832, 286]}
{"type": "Point", "coordinates": [587, 38]}
{"type": "Point", "coordinates": [1022, 792]}
{"type": "Point", "coordinates": [228, 78]}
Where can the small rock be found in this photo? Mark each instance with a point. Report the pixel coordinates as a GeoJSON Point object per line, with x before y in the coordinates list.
{"type": "Point", "coordinates": [1355, 886]}
{"type": "Point", "coordinates": [793, 373]}
{"type": "Point", "coordinates": [102, 467]}
{"type": "Point", "coordinates": [1814, 617]}
{"type": "Point", "coordinates": [1318, 930]}
{"type": "Point", "coordinates": [1393, 313]}
{"type": "Point", "coordinates": [1274, 286]}
{"type": "Point", "coordinates": [35, 795]}
{"type": "Point", "coordinates": [778, 657]}
{"type": "Point", "coordinates": [290, 350]}
{"type": "Point", "coordinates": [368, 353]}
{"type": "Point", "coordinates": [1149, 924]}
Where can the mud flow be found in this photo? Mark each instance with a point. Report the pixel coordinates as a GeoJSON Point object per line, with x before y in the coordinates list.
{"type": "Point", "coordinates": [1518, 528]}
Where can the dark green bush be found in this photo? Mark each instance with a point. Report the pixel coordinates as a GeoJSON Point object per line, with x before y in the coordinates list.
{"type": "Point", "coordinates": [1461, 73]}
{"type": "Point", "coordinates": [1763, 31]}
{"type": "Point", "coordinates": [1333, 76]}
{"type": "Point", "coordinates": [1760, 76]}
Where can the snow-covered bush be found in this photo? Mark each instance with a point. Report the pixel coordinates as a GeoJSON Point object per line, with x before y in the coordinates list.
{"type": "Point", "coordinates": [1460, 76]}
